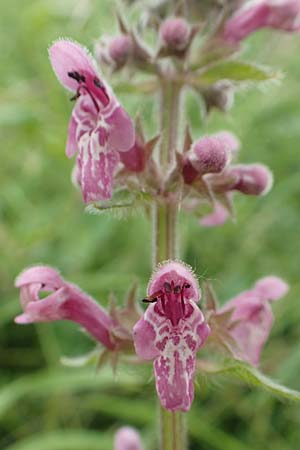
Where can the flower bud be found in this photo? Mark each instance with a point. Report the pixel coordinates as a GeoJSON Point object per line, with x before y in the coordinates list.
{"type": "Point", "coordinates": [175, 33]}
{"type": "Point", "coordinates": [253, 179]}
{"type": "Point", "coordinates": [208, 155]}
{"type": "Point", "coordinates": [127, 438]}
{"type": "Point", "coordinates": [229, 140]}
{"type": "Point", "coordinates": [120, 48]}
{"type": "Point", "coordinates": [219, 96]}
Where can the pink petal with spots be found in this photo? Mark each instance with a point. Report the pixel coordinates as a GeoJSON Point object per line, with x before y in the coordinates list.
{"type": "Point", "coordinates": [96, 169]}
{"type": "Point", "coordinates": [65, 302]}
{"type": "Point", "coordinates": [174, 352]}
{"type": "Point", "coordinates": [175, 368]}
{"type": "Point", "coordinates": [67, 56]}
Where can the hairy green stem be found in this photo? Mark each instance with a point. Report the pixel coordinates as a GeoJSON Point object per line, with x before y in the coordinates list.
{"type": "Point", "coordinates": [172, 426]}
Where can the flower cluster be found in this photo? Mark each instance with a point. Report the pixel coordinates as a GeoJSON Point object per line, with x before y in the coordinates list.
{"type": "Point", "coordinates": [209, 176]}
{"type": "Point", "coordinates": [170, 332]}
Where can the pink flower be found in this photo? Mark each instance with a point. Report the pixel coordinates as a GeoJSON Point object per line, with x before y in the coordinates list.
{"type": "Point", "coordinates": [65, 302]}
{"type": "Point", "coordinates": [252, 179]}
{"type": "Point", "coordinates": [127, 438]}
{"type": "Point", "coordinates": [253, 15]}
{"type": "Point", "coordinates": [217, 218]}
{"type": "Point", "coordinates": [249, 179]}
{"type": "Point", "coordinates": [171, 332]}
{"type": "Point", "coordinates": [252, 318]}
{"type": "Point", "coordinates": [99, 127]}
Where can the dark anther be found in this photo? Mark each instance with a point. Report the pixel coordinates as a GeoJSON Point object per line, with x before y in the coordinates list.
{"type": "Point", "coordinates": [177, 289]}
{"type": "Point", "coordinates": [149, 300]}
{"type": "Point", "coordinates": [98, 83]}
{"type": "Point", "coordinates": [75, 97]}
{"type": "Point", "coordinates": [77, 76]}
{"type": "Point", "coordinates": [187, 285]}
{"type": "Point", "coordinates": [167, 287]}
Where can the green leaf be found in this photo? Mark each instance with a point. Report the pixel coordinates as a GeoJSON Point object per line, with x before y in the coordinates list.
{"type": "Point", "coordinates": [123, 201]}
{"type": "Point", "coordinates": [254, 377]}
{"type": "Point", "coordinates": [236, 71]}
{"type": "Point", "coordinates": [65, 440]}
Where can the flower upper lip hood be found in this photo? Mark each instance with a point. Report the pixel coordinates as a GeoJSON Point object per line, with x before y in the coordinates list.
{"type": "Point", "coordinates": [99, 127]}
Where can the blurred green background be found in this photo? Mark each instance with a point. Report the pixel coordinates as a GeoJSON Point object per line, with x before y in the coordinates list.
{"type": "Point", "coordinates": [42, 220]}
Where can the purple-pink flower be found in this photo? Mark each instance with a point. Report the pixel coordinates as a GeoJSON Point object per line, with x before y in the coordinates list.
{"type": "Point", "coordinates": [99, 128]}
{"type": "Point", "coordinates": [251, 320]}
{"type": "Point", "coordinates": [127, 438]}
{"type": "Point", "coordinates": [249, 179]}
{"type": "Point", "coordinates": [64, 302]}
{"type": "Point", "coordinates": [253, 15]}
{"type": "Point", "coordinates": [171, 332]}
{"type": "Point", "coordinates": [216, 218]}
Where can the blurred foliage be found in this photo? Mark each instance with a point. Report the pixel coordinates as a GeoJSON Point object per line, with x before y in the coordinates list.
{"type": "Point", "coordinates": [42, 219]}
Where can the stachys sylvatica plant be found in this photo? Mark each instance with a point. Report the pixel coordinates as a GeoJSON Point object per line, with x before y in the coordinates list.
{"type": "Point", "coordinates": [198, 46]}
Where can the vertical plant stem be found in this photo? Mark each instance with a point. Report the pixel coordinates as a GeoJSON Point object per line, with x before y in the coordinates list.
{"type": "Point", "coordinates": [172, 426]}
